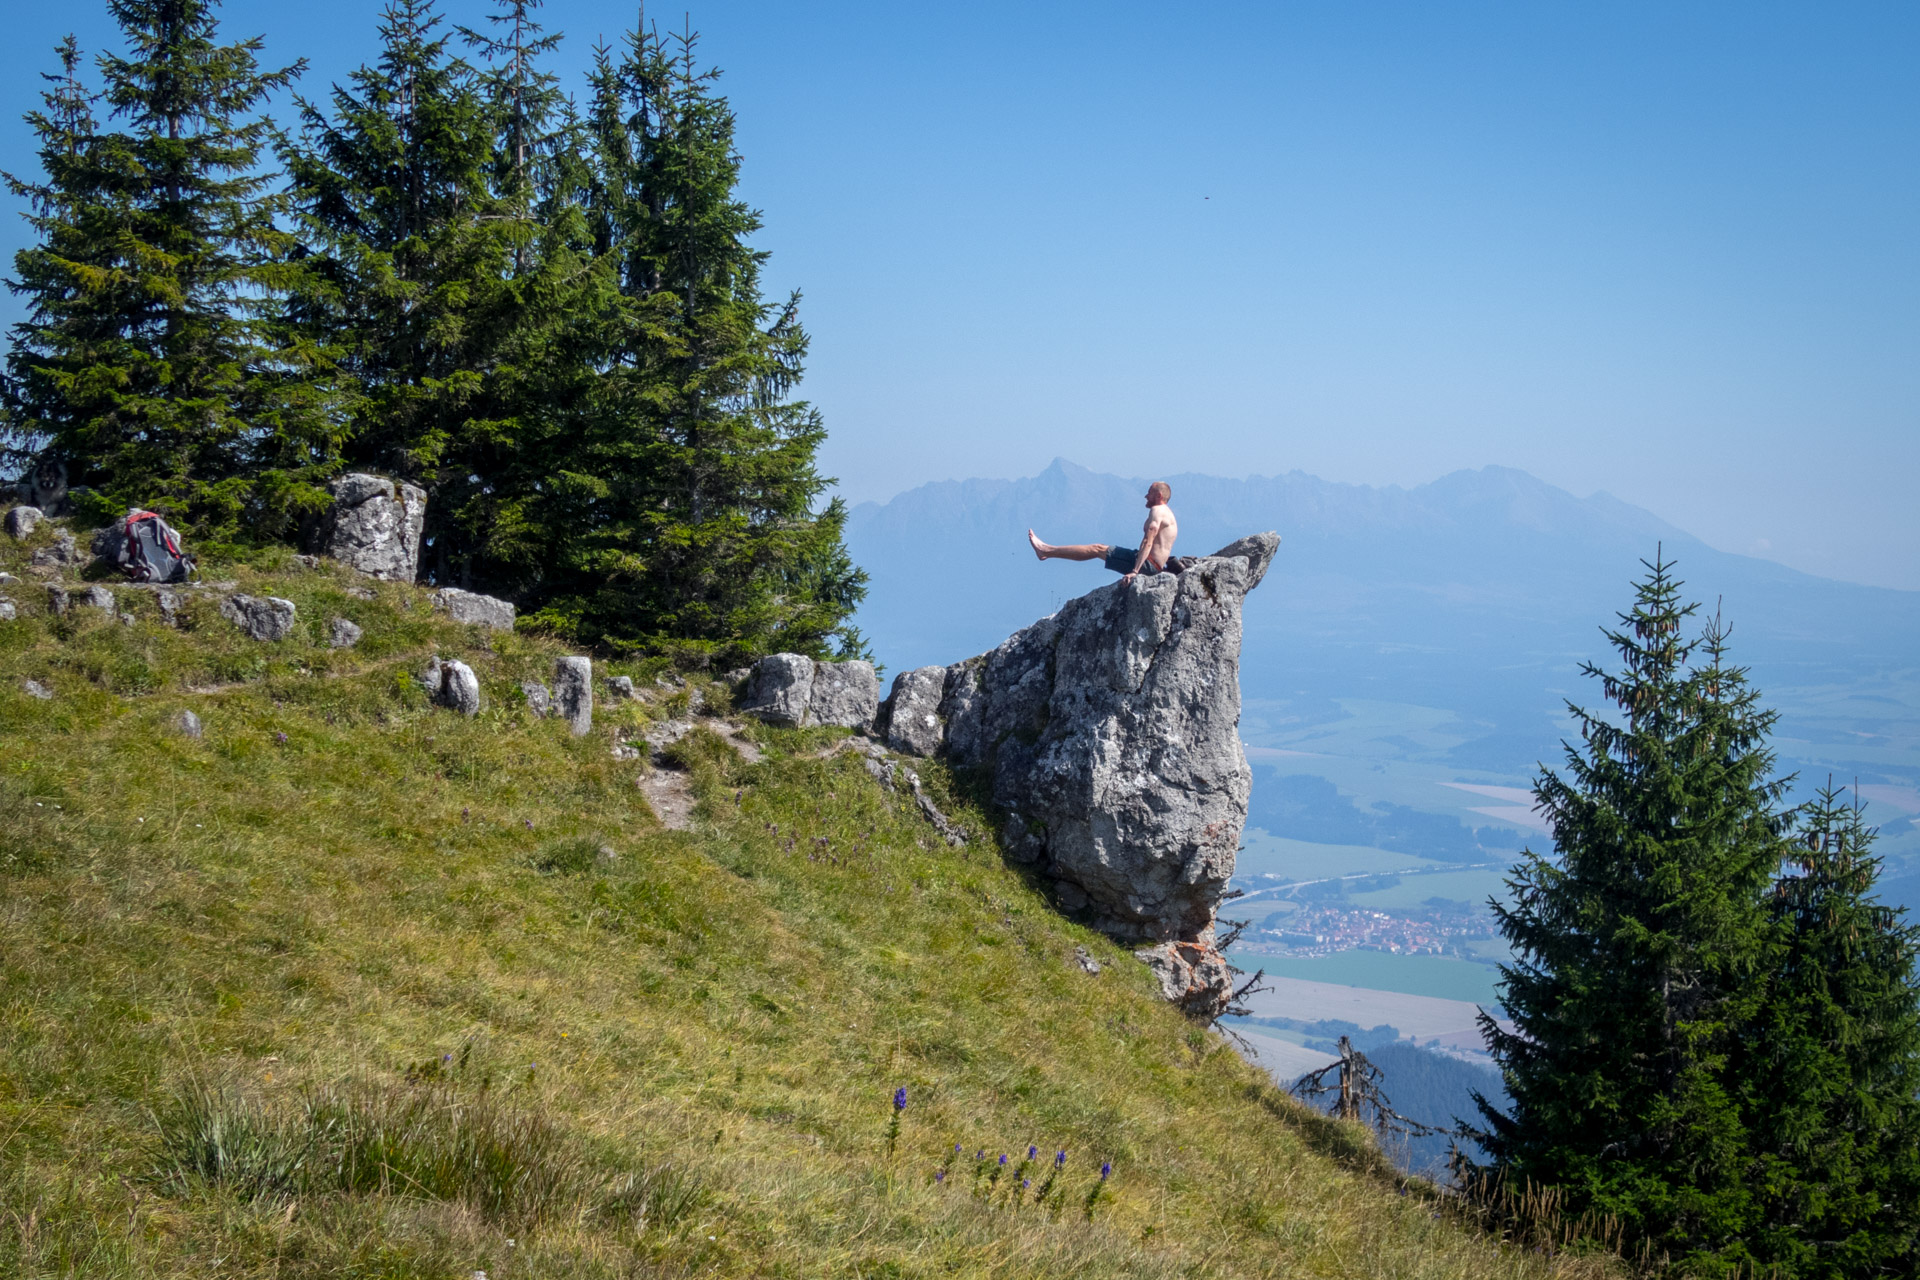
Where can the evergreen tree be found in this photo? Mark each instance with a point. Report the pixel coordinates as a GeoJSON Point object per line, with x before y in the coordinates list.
{"type": "Point", "coordinates": [689, 484]}
{"type": "Point", "coordinates": [151, 359]}
{"type": "Point", "coordinates": [1639, 952]}
{"type": "Point", "coordinates": [1835, 1064]}
{"type": "Point", "coordinates": [407, 252]}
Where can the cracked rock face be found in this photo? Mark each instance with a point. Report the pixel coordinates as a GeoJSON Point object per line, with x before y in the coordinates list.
{"type": "Point", "coordinates": [375, 525]}
{"type": "Point", "coordinates": [1111, 734]}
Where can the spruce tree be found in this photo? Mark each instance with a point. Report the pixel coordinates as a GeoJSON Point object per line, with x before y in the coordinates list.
{"type": "Point", "coordinates": [406, 252]}
{"type": "Point", "coordinates": [692, 504]}
{"type": "Point", "coordinates": [151, 360]}
{"type": "Point", "coordinates": [1639, 949]}
{"type": "Point", "coordinates": [1835, 1063]}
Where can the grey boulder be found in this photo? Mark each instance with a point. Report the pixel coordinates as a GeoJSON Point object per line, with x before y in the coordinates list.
{"type": "Point", "coordinates": [343, 634]}
{"type": "Point", "coordinates": [374, 526]}
{"type": "Point", "coordinates": [95, 597]}
{"type": "Point", "coordinates": [791, 690]}
{"type": "Point", "coordinates": [452, 684]}
{"type": "Point", "coordinates": [573, 693]}
{"type": "Point", "coordinates": [619, 688]}
{"type": "Point", "coordinates": [1193, 976]}
{"type": "Point", "coordinates": [187, 724]}
{"type": "Point", "coordinates": [22, 521]}
{"type": "Point", "coordinates": [539, 697]}
{"type": "Point", "coordinates": [780, 689]}
{"type": "Point", "coordinates": [913, 721]}
{"type": "Point", "coordinates": [472, 607]}
{"type": "Point", "coordinates": [265, 618]}
{"type": "Point", "coordinates": [7, 611]}
{"type": "Point", "coordinates": [846, 694]}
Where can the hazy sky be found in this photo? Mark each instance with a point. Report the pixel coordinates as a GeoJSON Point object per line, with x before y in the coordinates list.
{"type": "Point", "coordinates": [1665, 250]}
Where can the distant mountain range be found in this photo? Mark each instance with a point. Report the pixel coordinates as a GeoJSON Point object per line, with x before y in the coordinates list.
{"type": "Point", "coordinates": [1477, 596]}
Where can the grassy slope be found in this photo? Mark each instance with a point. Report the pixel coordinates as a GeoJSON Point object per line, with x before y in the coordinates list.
{"type": "Point", "coordinates": [694, 1046]}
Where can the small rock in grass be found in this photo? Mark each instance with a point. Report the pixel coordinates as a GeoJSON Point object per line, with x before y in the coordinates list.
{"type": "Point", "coordinates": [57, 600]}
{"type": "Point", "coordinates": [1084, 958]}
{"type": "Point", "coordinates": [573, 693]}
{"type": "Point", "coordinates": [457, 687]}
{"type": "Point", "coordinates": [265, 618]}
{"type": "Point", "coordinates": [621, 751]}
{"type": "Point", "coordinates": [363, 593]}
{"type": "Point", "coordinates": [96, 597]}
{"type": "Point", "coordinates": [64, 553]}
{"type": "Point", "coordinates": [539, 697]}
{"type": "Point", "coordinates": [187, 724]}
{"type": "Point", "coordinates": [6, 577]}
{"type": "Point", "coordinates": [606, 856]}
{"type": "Point", "coordinates": [343, 634]}
{"type": "Point", "coordinates": [22, 521]}
{"type": "Point", "coordinates": [34, 689]}
{"type": "Point", "coordinates": [169, 602]}
{"type": "Point", "coordinates": [127, 619]}
{"type": "Point", "coordinates": [619, 688]}
{"type": "Point", "coordinates": [7, 612]}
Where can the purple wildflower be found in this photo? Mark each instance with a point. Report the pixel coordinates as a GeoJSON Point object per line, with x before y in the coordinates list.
{"type": "Point", "coordinates": [1003, 1161]}
{"type": "Point", "coordinates": [1032, 1151]}
{"type": "Point", "coordinates": [1106, 1167]}
{"type": "Point", "coordinates": [900, 1098]}
{"type": "Point", "coordinates": [1025, 1183]}
{"type": "Point", "coordinates": [1060, 1161]}
{"type": "Point", "coordinates": [940, 1175]}
{"type": "Point", "coordinates": [280, 738]}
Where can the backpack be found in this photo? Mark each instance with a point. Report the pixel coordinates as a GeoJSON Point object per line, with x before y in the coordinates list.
{"type": "Point", "coordinates": [150, 550]}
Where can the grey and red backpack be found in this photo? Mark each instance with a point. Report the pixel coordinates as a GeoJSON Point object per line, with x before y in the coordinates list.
{"type": "Point", "coordinates": [149, 550]}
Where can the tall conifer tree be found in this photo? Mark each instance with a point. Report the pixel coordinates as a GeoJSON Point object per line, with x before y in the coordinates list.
{"type": "Point", "coordinates": [1639, 951]}
{"type": "Point", "coordinates": [1835, 1064]}
{"type": "Point", "coordinates": [151, 359]}
{"type": "Point", "coordinates": [691, 484]}
{"type": "Point", "coordinates": [407, 252]}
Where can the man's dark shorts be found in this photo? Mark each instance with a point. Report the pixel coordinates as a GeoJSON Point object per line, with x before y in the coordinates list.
{"type": "Point", "coordinates": [1120, 559]}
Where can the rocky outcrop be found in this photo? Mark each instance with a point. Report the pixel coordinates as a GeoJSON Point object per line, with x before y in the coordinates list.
{"type": "Point", "coordinates": [374, 526]}
{"type": "Point", "coordinates": [793, 691]}
{"type": "Point", "coordinates": [1110, 733]}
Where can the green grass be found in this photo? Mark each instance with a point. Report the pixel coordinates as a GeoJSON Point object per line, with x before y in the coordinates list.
{"type": "Point", "coordinates": [347, 987]}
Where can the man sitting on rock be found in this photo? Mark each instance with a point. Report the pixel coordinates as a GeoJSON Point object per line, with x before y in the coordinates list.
{"type": "Point", "coordinates": [1155, 554]}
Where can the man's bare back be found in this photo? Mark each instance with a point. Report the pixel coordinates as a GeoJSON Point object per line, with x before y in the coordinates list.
{"type": "Point", "coordinates": [1153, 553]}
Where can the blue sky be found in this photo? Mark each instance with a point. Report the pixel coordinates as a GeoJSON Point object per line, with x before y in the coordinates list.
{"type": "Point", "coordinates": [1668, 251]}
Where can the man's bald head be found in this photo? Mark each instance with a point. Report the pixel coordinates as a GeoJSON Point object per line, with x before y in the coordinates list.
{"type": "Point", "coordinates": [1158, 492]}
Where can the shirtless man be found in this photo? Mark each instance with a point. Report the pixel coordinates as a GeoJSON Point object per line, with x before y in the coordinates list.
{"type": "Point", "coordinates": [1156, 542]}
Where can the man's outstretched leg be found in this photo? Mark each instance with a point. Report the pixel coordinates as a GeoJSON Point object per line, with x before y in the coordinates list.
{"type": "Point", "coordinates": [1077, 551]}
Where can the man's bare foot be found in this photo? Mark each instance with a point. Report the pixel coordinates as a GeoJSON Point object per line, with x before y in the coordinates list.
{"type": "Point", "coordinates": [1040, 549]}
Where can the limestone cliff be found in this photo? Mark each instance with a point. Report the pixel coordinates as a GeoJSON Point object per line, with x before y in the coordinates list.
{"type": "Point", "coordinates": [1110, 732]}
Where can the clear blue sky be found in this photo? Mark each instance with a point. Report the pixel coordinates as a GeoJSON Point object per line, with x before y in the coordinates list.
{"type": "Point", "coordinates": [1670, 251]}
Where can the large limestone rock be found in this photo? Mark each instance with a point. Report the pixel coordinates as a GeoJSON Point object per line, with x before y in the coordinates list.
{"type": "Point", "coordinates": [374, 526]}
{"type": "Point", "coordinates": [793, 691]}
{"type": "Point", "coordinates": [1110, 732]}
{"type": "Point", "coordinates": [471, 606]}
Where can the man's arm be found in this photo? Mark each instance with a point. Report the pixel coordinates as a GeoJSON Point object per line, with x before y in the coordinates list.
{"type": "Point", "coordinates": [1154, 525]}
